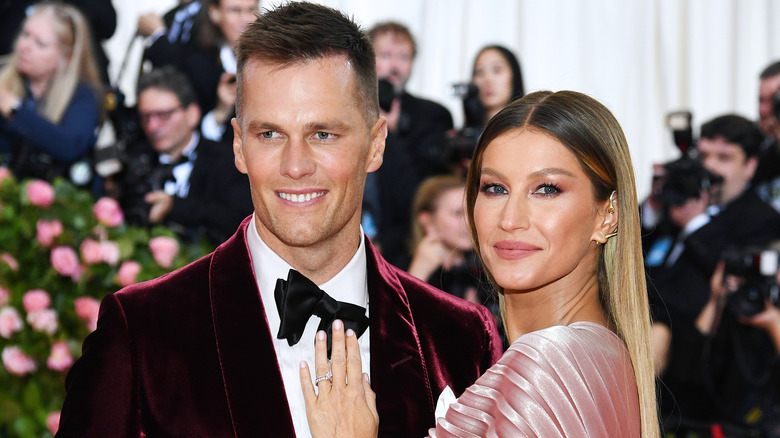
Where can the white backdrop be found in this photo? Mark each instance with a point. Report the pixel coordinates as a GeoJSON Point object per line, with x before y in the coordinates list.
{"type": "Point", "coordinates": [642, 58]}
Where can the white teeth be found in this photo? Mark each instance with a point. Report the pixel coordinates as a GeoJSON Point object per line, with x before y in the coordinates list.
{"type": "Point", "coordinates": [300, 198]}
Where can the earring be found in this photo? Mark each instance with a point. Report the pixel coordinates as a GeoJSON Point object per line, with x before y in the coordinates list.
{"type": "Point", "coordinates": [611, 208]}
{"type": "Point", "coordinates": [611, 234]}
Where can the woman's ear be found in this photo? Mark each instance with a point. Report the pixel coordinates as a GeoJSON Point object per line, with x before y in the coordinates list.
{"type": "Point", "coordinates": [426, 222]}
{"type": "Point", "coordinates": [607, 220]}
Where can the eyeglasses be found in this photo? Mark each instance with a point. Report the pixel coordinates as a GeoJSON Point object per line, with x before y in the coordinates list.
{"type": "Point", "coordinates": [162, 115]}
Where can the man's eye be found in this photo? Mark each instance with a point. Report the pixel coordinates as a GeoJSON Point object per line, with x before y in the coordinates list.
{"type": "Point", "coordinates": [267, 134]}
{"type": "Point", "coordinates": [324, 136]}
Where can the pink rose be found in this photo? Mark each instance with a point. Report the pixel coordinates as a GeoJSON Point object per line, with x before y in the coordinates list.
{"type": "Point", "coordinates": [16, 362]}
{"type": "Point", "coordinates": [47, 231]}
{"type": "Point", "coordinates": [53, 422]}
{"type": "Point", "coordinates": [108, 212]}
{"type": "Point", "coordinates": [10, 322]}
{"type": "Point", "coordinates": [40, 193]}
{"type": "Point", "coordinates": [60, 358]}
{"type": "Point", "coordinates": [87, 309]}
{"type": "Point", "coordinates": [110, 252]}
{"type": "Point", "coordinates": [65, 261]}
{"type": "Point", "coordinates": [164, 250]}
{"type": "Point", "coordinates": [91, 253]}
{"type": "Point", "coordinates": [4, 296]}
{"type": "Point", "coordinates": [10, 261]}
{"type": "Point", "coordinates": [128, 273]}
{"type": "Point", "coordinates": [35, 300]}
{"type": "Point", "coordinates": [4, 173]}
{"type": "Point", "coordinates": [44, 321]}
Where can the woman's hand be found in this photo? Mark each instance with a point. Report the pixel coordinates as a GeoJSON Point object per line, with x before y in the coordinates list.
{"type": "Point", "coordinates": [429, 256]}
{"type": "Point", "coordinates": [345, 405]}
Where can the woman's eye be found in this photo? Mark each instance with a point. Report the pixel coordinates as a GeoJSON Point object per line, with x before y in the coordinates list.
{"type": "Point", "coordinates": [494, 189]}
{"type": "Point", "coordinates": [548, 189]}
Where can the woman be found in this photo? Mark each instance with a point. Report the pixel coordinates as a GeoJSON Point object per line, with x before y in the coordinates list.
{"type": "Point", "coordinates": [441, 240]}
{"type": "Point", "coordinates": [552, 204]}
{"type": "Point", "coordinates": [498, 76]}
{"type": "Point", "coordinates": [49, 96]}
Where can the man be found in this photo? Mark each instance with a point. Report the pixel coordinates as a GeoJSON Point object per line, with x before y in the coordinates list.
{"type": "Point", "coordinates": [767, 177]}
{"type": "Point", "coordinates": [174, 177]}
{"type": "Point", "coordinates": [199, 352]}
{"type": "Point", "coordinates": [168, 36]}
{"type": "Point", "coordinates": [415, 143]}
{"type": "Point", "coordinates": [728, 147]}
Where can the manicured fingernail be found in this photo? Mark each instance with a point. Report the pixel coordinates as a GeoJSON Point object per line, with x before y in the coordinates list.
{"type": "Point", "coordinates": [337, 324]}
{"type": "Point", "coordinates": [303, 364]}
{"type": "Point", "coordinates": [366, 378]}
{"type": "Point", "coordinates": [321, 335]}
{"type": "Point", "coordinates": [350, 332]}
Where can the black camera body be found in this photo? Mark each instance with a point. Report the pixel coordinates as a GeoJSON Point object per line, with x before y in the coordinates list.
{"type": "Point", "coordinates": [142, 173]}
{"type": "Point", "coordinates": [757, 268]}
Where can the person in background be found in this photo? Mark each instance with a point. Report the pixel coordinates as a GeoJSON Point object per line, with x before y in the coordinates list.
{"type": "Point", "coordinates": [499, 78]}
{"type": "Point", "coordinates": [416, 130]}
{"type": "Point", "coordinates": [169, 36]}
{"type": "Point", "coordinates": [100, 16]}
{"type": "Point", "coordinates": [48, 130]}
{"type": "Point", "coordinates": [211, 66]}
{"type": "Point", "coordinates": [552, 203]}
{"type": "Point", "coordinates": [175, 177]}
{"type": "Point", "coordinates": [443, 252]}
{"type": "Point", "coordinates": [212, 350]}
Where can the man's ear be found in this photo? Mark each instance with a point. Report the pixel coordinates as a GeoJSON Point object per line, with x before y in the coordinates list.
{"type": "Point", "coordinates": [238, 149]}
{"type": "Point", "coordinates": [751, 164]}
{"type": "Point", "coordinates": [193, 114]}
{"type": "Point", "coordinates": [606, 220]}
{"type": "Point", "coordinates": [377, 148]}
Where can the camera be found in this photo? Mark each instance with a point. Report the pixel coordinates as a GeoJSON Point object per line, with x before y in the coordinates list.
{"type": "Point", "coordinates": [685, 179]}
{"type": "Point", "coordinates": [142, 173]}
{"type": "Point", "coordinates": [757, 269]}
{"type": "Point", "coordinates": [459, 144]}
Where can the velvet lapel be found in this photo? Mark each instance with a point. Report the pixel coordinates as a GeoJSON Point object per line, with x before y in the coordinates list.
{"type": "Point", "coordinates": [250, 371]}
{"type": "Point", "coordinates": [399, 376]}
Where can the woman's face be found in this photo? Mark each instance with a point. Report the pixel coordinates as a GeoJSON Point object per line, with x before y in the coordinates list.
{"type": "Point", "coordinates": [493, 77]}
{"type": "Point", "coordinates": [448, 221]}
{"type": "Point", "coordinates": [38, 48]}
{"type": "Point", "coordinates": [535, 215]}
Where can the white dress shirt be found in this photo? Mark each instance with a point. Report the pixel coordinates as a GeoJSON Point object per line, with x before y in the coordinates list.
{"type": "Point", "coordinates": [349, 285]}
{"type": "Point", "coordinates": [181, 172]}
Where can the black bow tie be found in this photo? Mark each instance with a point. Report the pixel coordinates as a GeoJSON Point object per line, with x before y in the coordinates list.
{"type": "Point", "coordinates": [298, 298]}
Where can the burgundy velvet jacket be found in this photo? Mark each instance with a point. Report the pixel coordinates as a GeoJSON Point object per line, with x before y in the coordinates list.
{"type": "Point", "coordinates": [190, 354]}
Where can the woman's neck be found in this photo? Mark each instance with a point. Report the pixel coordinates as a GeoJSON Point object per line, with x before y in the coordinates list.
{"type": "Point", "coordinates": [555, 304]}
{"type": "Point", "coordinates": [38, 87]}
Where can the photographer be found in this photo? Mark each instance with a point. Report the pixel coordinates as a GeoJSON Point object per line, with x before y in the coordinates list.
{"type": "Point", "coordinates": [733, 354]}
{"type": "Point", "coordinates": [175, 177]}
{"type": "Point", "coordinates": [416, 128]}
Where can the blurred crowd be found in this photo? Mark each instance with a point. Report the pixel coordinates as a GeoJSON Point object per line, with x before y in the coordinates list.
{"type": "Point", "coordinates": [711, 225]}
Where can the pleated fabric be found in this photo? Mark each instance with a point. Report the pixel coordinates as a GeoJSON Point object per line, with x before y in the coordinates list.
{"type": "Point", "coordinates": [562, 381]}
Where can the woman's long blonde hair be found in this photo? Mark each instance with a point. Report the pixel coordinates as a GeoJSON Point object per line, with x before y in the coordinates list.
{"type": "Point", "coordinates": [590, 131]}
{"type": "Point", "coordinates": [74, 39]}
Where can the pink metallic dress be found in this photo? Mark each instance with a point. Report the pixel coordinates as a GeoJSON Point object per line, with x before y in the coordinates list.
{"type": "Point", "coordinates": [562, 381]}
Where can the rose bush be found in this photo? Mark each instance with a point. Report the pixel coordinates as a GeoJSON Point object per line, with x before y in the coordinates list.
{"type": "Point", "coordinates": [61, 251]}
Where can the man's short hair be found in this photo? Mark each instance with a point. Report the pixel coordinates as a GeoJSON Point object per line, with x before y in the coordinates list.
{"type": "Point", "coordinates": [734, 129]}
{"type": "Point", "coordinates": [168, 78]}
{"type": "Point", "coordinates": [770, 71]}
{"type": "Point", "coordinates": [395, 28]}
{"type": "Point", "coordinates": [299, 32]}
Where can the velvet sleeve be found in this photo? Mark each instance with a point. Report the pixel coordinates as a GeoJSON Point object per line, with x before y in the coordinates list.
{"type": "Point", "coordinates": [101, 398]}
{"type": "Point", "coordinates": [70, 139]}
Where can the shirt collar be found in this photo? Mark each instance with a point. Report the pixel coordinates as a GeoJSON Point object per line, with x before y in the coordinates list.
{"type": "Point", "coordinates": [348, 285]}
{"type": "Point", "coordinates": [188, 150]}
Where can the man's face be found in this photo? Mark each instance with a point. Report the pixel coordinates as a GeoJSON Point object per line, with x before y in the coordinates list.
{"type": "Point", "coordinates": [306, 147]}
{"type": "Point", "coordinates": [232, 17]}
{"type": "Point", "coordinates": [168, 125]}
{"type": "Point", "coordinates": [394, 56]}
{"type": "Point", "coordinates": [729, 161]}
{"type": "Point", "coordinates": [767, 89]}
